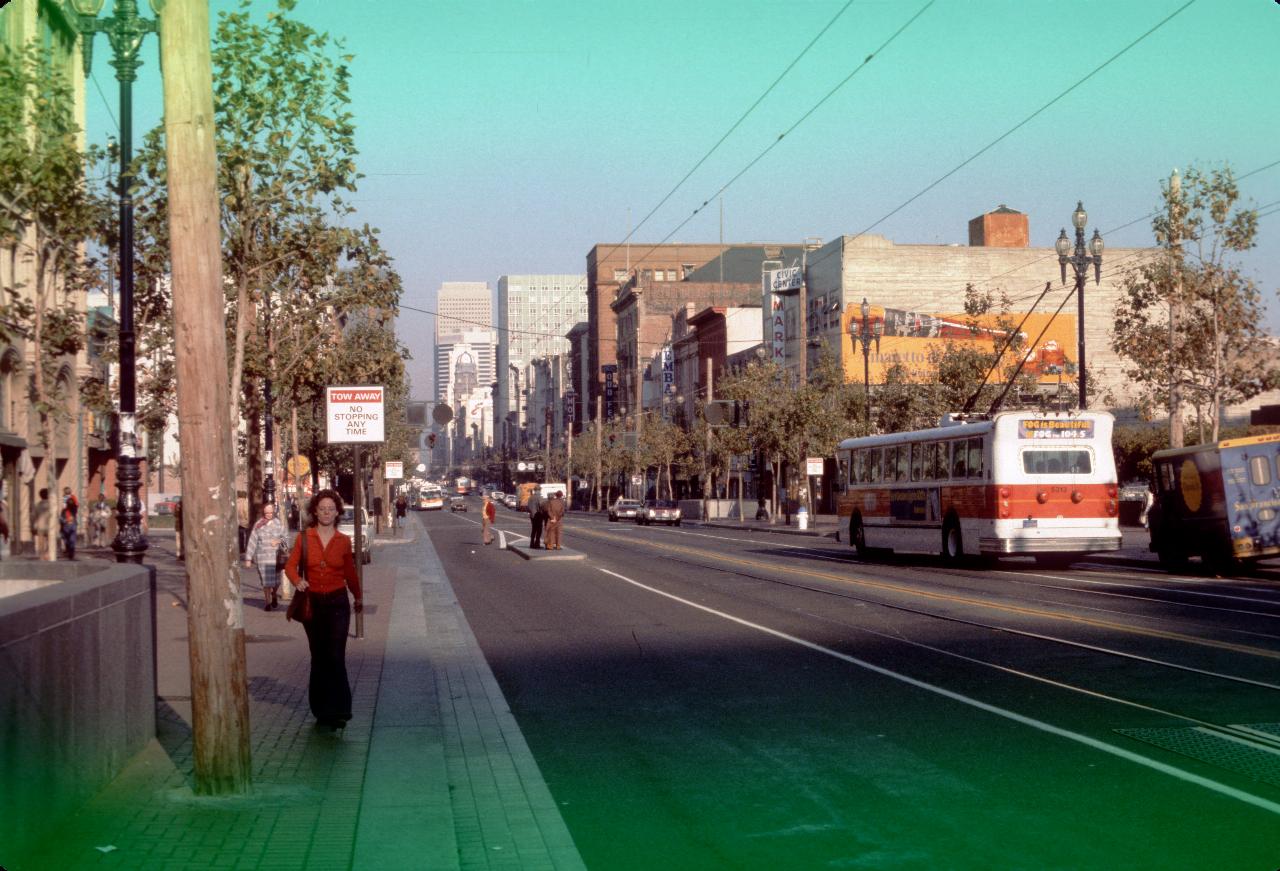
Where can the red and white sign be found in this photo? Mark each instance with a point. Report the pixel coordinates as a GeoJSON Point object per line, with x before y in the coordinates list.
{"type": "Point", "coordinates": [354, 414]}
{"type": "Point", "coordinates": [395, 469]}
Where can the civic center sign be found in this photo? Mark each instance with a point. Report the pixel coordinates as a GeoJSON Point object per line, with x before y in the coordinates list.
{"type": "Point", "coordinates": [354, 414]}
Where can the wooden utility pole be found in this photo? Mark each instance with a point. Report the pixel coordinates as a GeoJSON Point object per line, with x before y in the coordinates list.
{"type": "Point", "coordinates": [568, 465]}
{"type": "Point", "coordinates": [599, 447]}
{"type": "Point", "coordinates": [644, 471]}
{"type": "Point", "coordinates": [706, 457]}
{"type": "Point", "coordinates": [215, 612]}
{"type": "Point", "coordinates": [1176, 435]}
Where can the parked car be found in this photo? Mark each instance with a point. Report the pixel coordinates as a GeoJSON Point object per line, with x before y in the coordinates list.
{"type": "Point", "coordinates": [457, 503]}
{"type": "Point", "coordinates": [347, 526]}
{"type": "Point", "coordinates": [511, 500]}
{"type": "Point", "coordinates": [659, 511]}
{"type": "Point", "coordinates": [624, 508]}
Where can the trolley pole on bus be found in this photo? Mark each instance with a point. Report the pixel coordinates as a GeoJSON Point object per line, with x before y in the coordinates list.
{"type": "Point", "coordinates": [1079, 257]}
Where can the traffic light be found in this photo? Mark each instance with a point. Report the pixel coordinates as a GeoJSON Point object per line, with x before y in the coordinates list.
{"type": "Point", "coordinates": [431, 440]}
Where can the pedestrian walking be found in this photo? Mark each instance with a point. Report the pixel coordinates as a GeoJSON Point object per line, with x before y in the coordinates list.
{"type": "Point", "coordinates": [488, 514]}
{"type": "Point", "coordinates": [177, 530]}
{"type": "Point", "coordinates": [242, 519]}
{"type": "Point", "coordinates": [42, 523]}
{"type": "Point", "coordinates": [68, 521]}
{"type": "Point", "coordinates": [536, 519]}
{"type": "Point", "coordinates": [330, 572]}
{"type": "Point", "coordinates": [402, 505]}
{"type": "Point", "coordinates": [261, 549]}
{"type": "Point", "coordinates": [99, 516]}
{"type": "Point", "coordinates": [555, 520]}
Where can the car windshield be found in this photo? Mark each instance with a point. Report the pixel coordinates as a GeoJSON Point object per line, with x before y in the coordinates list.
{"type": "Point", "coordinates": [664, 504]}
{"type": "Point", "coordinates": [628, 503]}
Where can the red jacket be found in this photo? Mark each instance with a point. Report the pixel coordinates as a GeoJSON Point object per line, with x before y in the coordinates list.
{"type": "Point", "coordinates": [328, 568]}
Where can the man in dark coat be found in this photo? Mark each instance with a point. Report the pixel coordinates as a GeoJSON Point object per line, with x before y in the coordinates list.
{"type": "Point", "coordinates": [536, 518]}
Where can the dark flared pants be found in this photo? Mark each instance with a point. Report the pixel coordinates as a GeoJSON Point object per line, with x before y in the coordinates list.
{"type": "Point", "coordinates": [329, 690]}
{"type": "Point", "coordinates": [535, 536]}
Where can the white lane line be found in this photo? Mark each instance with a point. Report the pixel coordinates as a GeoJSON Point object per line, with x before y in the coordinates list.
{"type": "Point", "coordinates": [1094, 743]}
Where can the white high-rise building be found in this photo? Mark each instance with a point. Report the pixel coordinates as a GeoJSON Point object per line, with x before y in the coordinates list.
{"type": "Point", "coordinates": [464, 341]}
{"type": "Point", "coordinates": [534, 314]}
{"type": "Point", "coordinates": [463, 307]}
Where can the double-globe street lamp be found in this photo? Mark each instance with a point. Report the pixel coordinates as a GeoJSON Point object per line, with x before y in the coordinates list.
{"type": "Point", "coordinates": [125, 30]}
{"type": "Point", "coordinates": [866, 333]}
{"type": "Point", "coordinates": [1080, 258]}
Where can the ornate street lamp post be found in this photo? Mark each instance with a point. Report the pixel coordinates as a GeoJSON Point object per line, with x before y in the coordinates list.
{"type": "Point", "coordinates": [866, 334]}
{"type": "Point", "coordinates": [1080, 258]}
{"type": "Point", "coordinates": [125, 31]}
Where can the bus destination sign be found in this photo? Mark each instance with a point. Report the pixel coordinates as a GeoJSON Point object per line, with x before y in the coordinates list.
{"type": "Point", "coordinates": [1053, 428]}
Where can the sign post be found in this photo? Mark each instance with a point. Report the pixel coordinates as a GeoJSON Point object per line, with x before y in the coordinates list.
{"type": "Point", "coordinates": [354, 416]}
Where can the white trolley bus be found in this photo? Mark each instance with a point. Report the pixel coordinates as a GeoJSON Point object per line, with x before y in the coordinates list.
{"type": "Point", "coordinates": [1011, 483]}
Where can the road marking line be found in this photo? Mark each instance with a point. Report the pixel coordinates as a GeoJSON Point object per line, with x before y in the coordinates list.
{"type": "Point", "coordinates": [1041, 613]}
{"type": "Point", "coordinates": [1041, 725]}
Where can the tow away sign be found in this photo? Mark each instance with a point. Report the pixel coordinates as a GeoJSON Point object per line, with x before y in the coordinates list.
{"type": "Point", "coordinates": [354, 414]}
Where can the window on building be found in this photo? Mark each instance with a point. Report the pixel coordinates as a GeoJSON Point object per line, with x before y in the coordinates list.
{"type": "Point", "coordinates": [619, 275]}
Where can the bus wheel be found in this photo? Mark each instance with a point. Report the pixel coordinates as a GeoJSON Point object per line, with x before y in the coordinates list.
{"type": "Point", "coordinates": [857, 535]}
{"type": "Point", "coordinates": [952, 541]}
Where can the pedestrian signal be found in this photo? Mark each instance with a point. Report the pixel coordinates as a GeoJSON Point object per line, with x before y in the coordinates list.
{"type": "Point", "coordinates": [431, 440]}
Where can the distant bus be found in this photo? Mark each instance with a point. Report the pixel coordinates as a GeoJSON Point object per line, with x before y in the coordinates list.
{"type": "Point", "coordinates": [1220, 502]}
{"type": "Point", "coordinates": [430, 499]}
{"type": "Point", "coordinates": [1012, 483]}
{"type": "Point", "coordinates": [462, 486]}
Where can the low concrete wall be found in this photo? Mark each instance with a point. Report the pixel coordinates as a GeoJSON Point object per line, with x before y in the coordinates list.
{"type": "Point", "coordinates": [77, 687]}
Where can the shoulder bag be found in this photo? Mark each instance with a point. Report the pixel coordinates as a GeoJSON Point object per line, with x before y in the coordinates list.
{"type": "Point", "coordinates": [300, 605]}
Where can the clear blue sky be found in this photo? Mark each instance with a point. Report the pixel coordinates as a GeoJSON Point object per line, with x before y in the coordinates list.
{"type": "Point", "coordinates": [509, 136]}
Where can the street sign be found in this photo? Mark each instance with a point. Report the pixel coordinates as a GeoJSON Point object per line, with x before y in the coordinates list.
{"type": "Point", "coordinates": [354, 414]}
{"type": "Point", "coordinates": [521, 466]}
{"type": "Point", "coordinates": [298, 466]}
{"type": "Point", "coordinates": [636, 480]}
{"type": "Point", "coordinates": [813, 465]}
{"type": "Point", "coordinates": [395, 469]}
{"type": "Point", "coordinates": [784, 280]}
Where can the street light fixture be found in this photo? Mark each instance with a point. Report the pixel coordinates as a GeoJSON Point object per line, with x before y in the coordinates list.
{"type": "Point", "coordinates": [125, 30]}
{"type": "Point", "coordinates": [1080, 258]}
{"type": "Point", "coordinates": [866, 333]}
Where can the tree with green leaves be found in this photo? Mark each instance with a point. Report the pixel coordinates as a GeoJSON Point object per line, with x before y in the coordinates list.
{"type": "Point", "coordinates": [47, 210]}
{"type": "Point", "coordinates": [1214, 354]}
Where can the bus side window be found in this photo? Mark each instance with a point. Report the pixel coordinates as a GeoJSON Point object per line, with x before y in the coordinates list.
{"type": "Point", "coordinates": [930, 460]}
{"type": "Point", "coordinates": [944, 461]}
{"type": "Point", "coordinates": [873, 466]}
{"type": "Point", "coordinates": [917, 460]}
{"type": "Point", "coordinates": [958, 468]}
{"type": "Point", "coordinates": [975, 458]}
{"type": "Point", "coordinates": [904, 464]}
{"type": "Point", "coordinates": [890, 463]}
{"type": "Point", "coordinates": [846, 467]}
{"type": "Point", "coordinates": [855, 461]}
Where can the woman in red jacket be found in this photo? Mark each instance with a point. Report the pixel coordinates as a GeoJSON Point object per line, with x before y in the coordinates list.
{"type": "Point", "coordinates": [330, 572]}
{"type": "Point", "coordinates": [488, 514]}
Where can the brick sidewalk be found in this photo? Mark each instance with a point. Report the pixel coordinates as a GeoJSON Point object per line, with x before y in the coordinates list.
{"type": "Point", "coordinates": [322, 801]}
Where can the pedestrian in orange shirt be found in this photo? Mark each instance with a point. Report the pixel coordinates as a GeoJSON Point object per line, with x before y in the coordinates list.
{"type": "Point", "coordinates": [488, 514]}
{"type": "Point", "coordinates": [330, 572]}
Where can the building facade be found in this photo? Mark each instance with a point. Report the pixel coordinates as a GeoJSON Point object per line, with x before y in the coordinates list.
{"type": "Point", "coordinates": [610, 267]}
{"type": "Point", "coordinates": [535, 314]}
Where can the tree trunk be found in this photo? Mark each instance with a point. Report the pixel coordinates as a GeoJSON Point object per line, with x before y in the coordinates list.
{"type": "Point", "coordinates": [215, 614]}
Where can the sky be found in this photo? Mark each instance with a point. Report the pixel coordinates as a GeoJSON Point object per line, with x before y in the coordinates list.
{"type": "Point", "coordinates": [510, 136]}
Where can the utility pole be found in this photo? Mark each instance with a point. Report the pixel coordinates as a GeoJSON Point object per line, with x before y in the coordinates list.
{"type": "Point", "coordinates": [599, 447]}
{"type": "Point", "coordinates": [803, 319]}
{"type": "Point", "coordinates": [215, 611]}
{"type": "Point", "coordinates": [644, 472]}
{"type": "Point", "coordinates": [1176, 435]}
{"type": "Point", "coordinates": [706, 462]}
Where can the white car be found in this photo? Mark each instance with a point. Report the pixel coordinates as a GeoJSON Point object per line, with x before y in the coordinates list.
{"type": "Point", "coordinates": [346, 525]}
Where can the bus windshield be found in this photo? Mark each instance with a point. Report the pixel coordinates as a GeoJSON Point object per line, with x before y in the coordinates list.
{"type": "Point", "coordinates": [1059, 462]}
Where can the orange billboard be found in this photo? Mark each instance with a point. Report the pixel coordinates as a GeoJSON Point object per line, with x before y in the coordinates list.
{"type": "Point", "coordinates": [914, 339]}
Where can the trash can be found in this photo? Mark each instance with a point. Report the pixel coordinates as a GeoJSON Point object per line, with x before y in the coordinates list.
{"type": "Point", "coordinates": [802, 517]}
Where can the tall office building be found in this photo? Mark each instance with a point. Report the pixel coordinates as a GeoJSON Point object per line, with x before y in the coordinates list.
{"type": "Point", "coordinates": [463, 307]}
{"type": "Point", "coordinates": [535, 313]}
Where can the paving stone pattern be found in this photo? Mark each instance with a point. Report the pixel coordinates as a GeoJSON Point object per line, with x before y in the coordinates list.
{"type": "Point", "coordinates": [432, 772]}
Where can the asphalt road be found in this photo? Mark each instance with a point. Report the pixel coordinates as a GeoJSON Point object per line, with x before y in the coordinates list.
{"type": "Point", "coordinates": [704, 698]}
